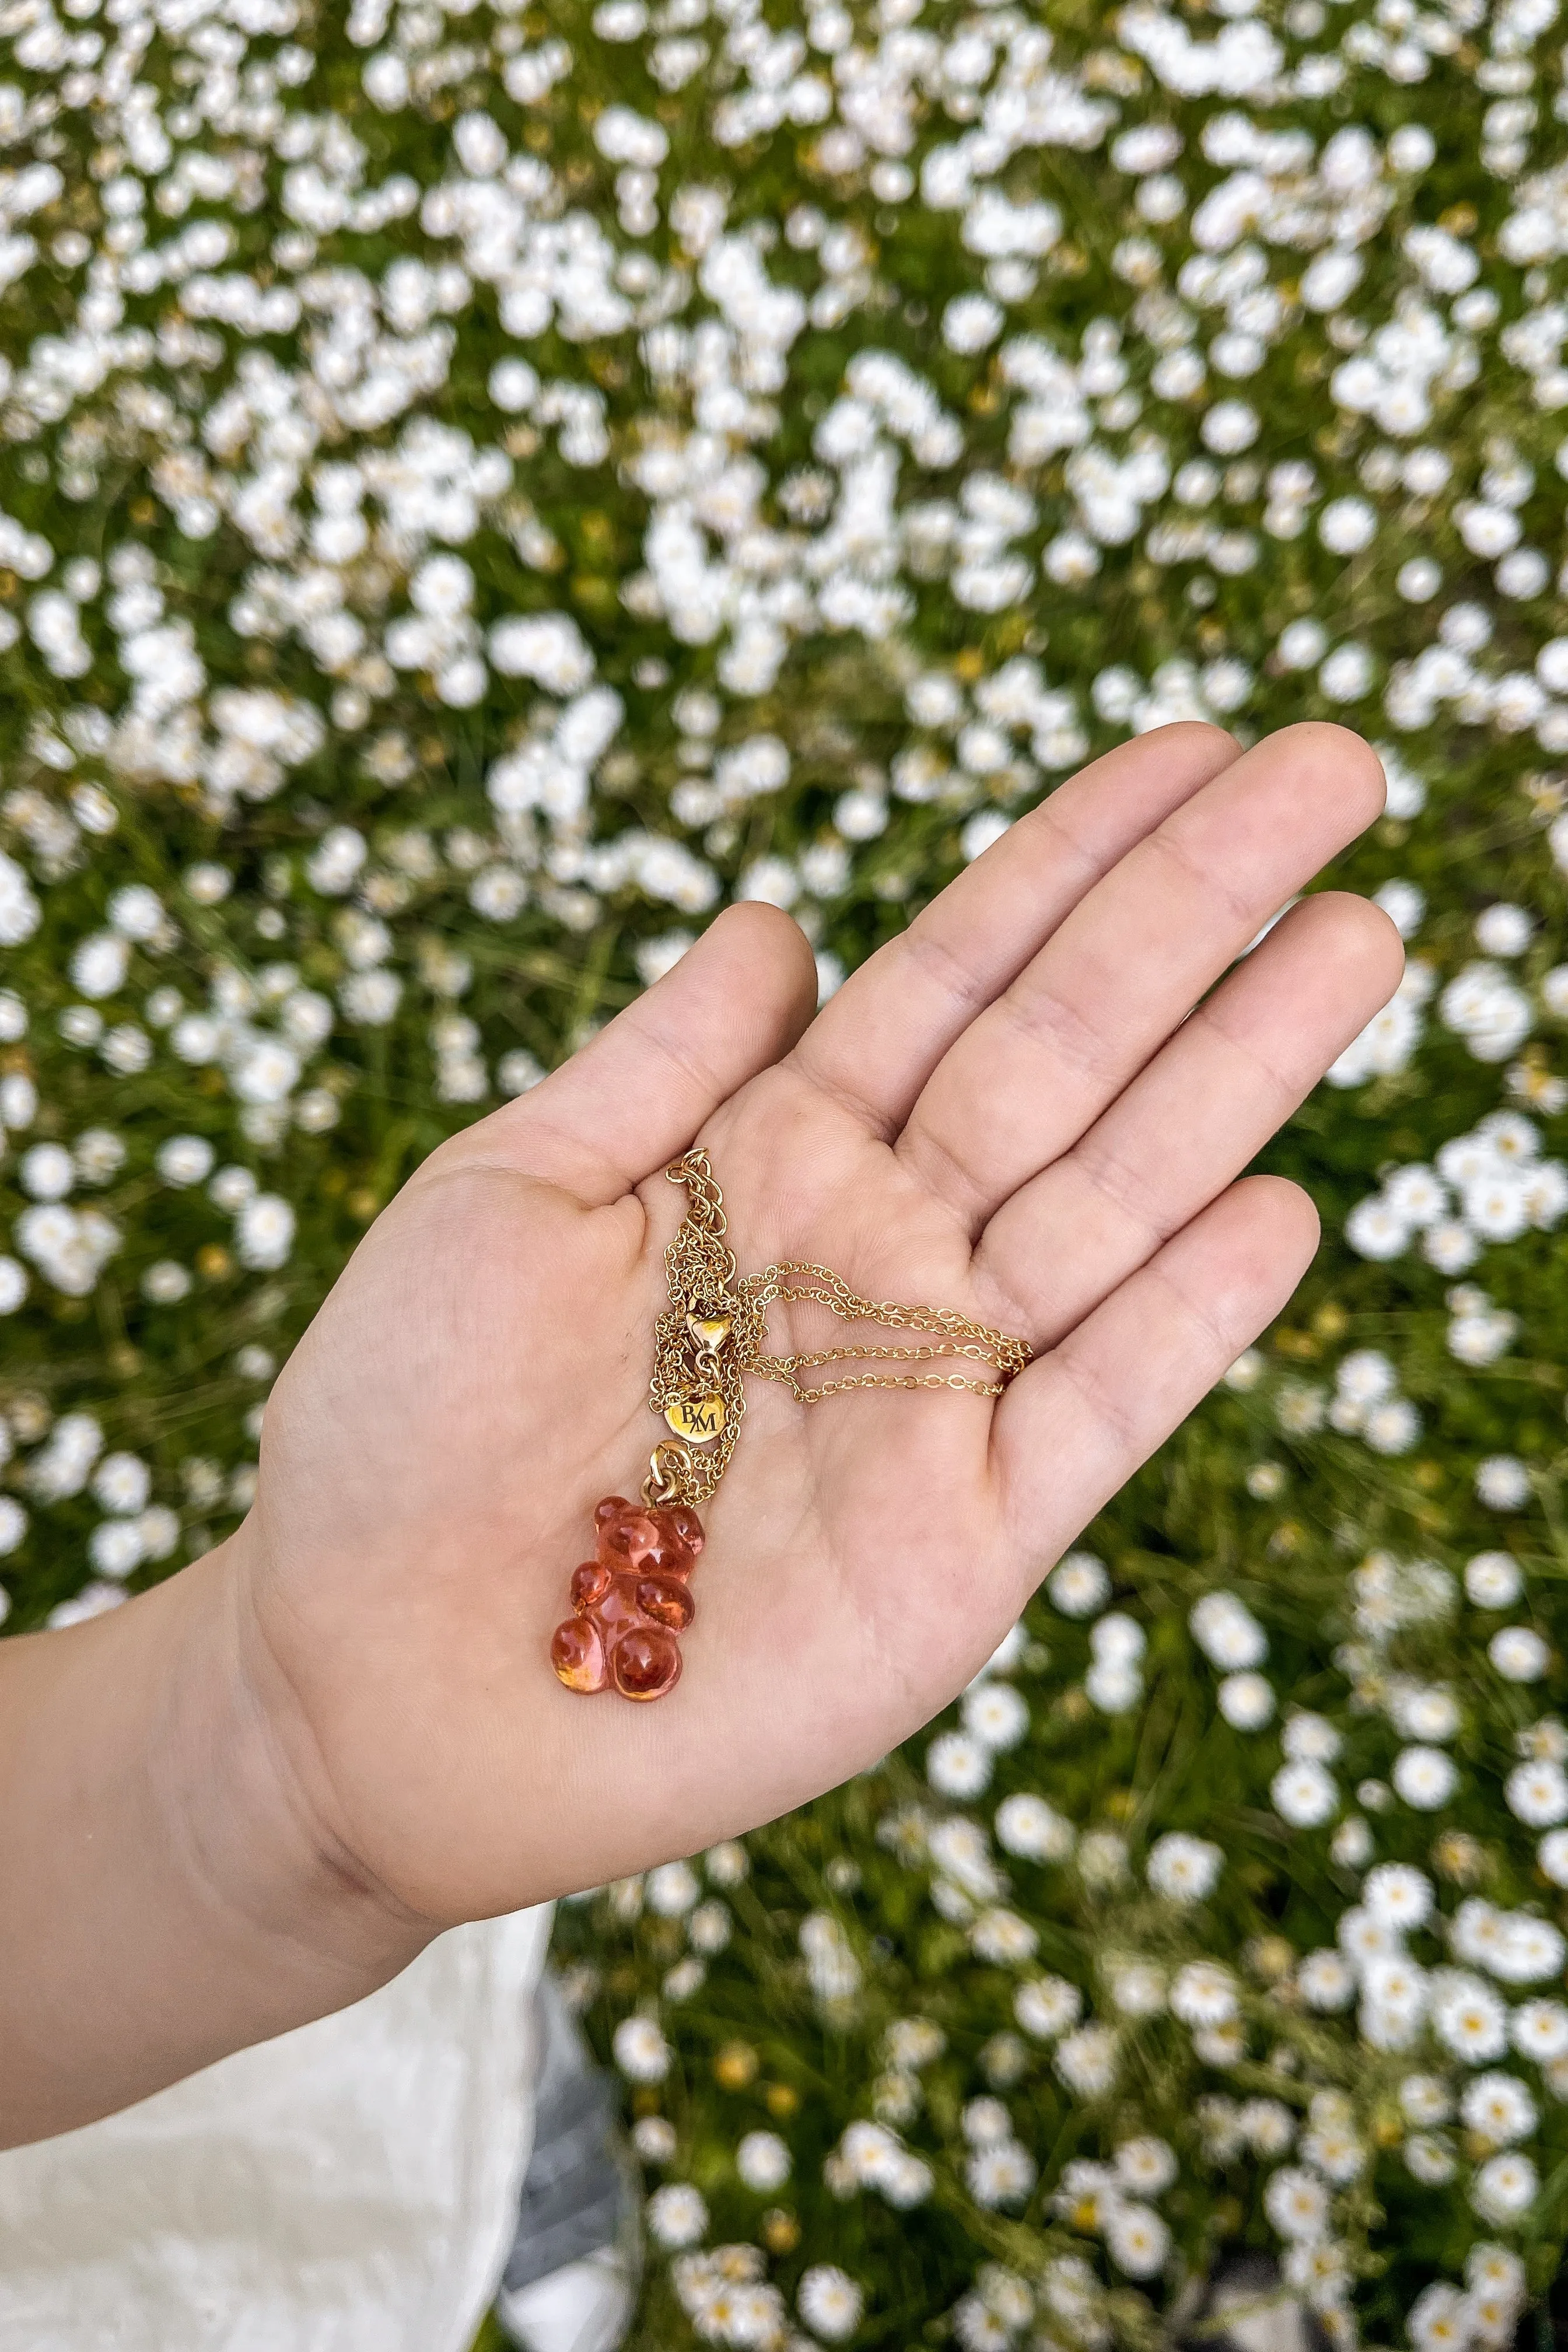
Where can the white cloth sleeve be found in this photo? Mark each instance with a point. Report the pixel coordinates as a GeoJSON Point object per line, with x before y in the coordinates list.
{"type": "Point", "coordinates": [350, 2187]}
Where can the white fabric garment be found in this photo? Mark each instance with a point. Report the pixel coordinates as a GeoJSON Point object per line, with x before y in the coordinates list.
{"type": "Point", "coordinates": [350, 2187]}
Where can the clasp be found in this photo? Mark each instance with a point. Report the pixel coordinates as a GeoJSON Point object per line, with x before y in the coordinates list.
{"type": "Point", "coordinates": [668, 1467]}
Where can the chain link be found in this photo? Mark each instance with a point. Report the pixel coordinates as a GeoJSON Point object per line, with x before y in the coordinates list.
{"type": "Point", "coordinates": [714, 1330]}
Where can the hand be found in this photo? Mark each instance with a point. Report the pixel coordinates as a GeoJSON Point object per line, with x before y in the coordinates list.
{"type": "Point", "coordinates": [1007, 1110]}
{"type": "Point", "coordinates": [264, 1784]}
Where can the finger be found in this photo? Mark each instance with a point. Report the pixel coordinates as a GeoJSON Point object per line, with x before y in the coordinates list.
{"type": "Point", "coordinates": [1027, 1078]}
{"type": "Point", "coordinates": [634, 1098]}
{"type": "Point", "coordinates": [874, 1044]}
{"type": "Point", "coordinates": [1072, 1429]}
{"type": "Point", "coordinates": [1193, 1119]}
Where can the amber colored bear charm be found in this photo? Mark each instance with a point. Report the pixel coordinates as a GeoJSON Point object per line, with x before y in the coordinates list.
{"type": "Point", "coordinates": [631, 1602]}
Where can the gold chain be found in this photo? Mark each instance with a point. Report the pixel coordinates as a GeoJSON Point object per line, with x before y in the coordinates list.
{"type": "Point", "coordinates": [714, 1330]}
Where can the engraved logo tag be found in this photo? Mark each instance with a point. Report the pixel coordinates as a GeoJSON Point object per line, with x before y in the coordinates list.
{"type": "Point", "coordinates": [696, 1419]}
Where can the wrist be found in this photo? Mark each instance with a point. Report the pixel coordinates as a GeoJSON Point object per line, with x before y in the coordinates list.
{"type": "Point", "coordinates": [247, 1795]}
{"type": "Point", "coordinates": [246, 1818]}
{"type": "Point", "coordinates": [174, 1894]}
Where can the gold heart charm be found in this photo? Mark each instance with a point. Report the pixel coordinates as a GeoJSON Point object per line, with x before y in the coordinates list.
{"type": "Point", "coordinates": [710, 1331]}
{"type": "Point", "coordinates": [696, 1419]}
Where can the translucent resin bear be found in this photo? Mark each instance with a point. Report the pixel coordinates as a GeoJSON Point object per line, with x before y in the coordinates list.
{"type": "Point", "coordinates": [631, 1602]}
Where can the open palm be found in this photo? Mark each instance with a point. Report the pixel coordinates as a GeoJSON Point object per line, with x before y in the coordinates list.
{"type": "Point", "coordinates": [1008, 1111]}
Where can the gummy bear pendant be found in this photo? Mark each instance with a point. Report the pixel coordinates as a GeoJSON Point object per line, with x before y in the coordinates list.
{"type": "Point", "coordinates": [631, 1602]}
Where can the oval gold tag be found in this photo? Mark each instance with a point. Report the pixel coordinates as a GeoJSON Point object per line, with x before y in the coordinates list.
{"type": "Point", "coordinates": [695, 1418]}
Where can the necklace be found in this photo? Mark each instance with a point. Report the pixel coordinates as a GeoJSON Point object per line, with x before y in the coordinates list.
{"type": "Point", "coordinates": [632, 1602]}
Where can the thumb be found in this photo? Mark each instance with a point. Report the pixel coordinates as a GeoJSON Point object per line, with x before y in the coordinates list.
{"type": "Point", "coordinates": [634, 1097]}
